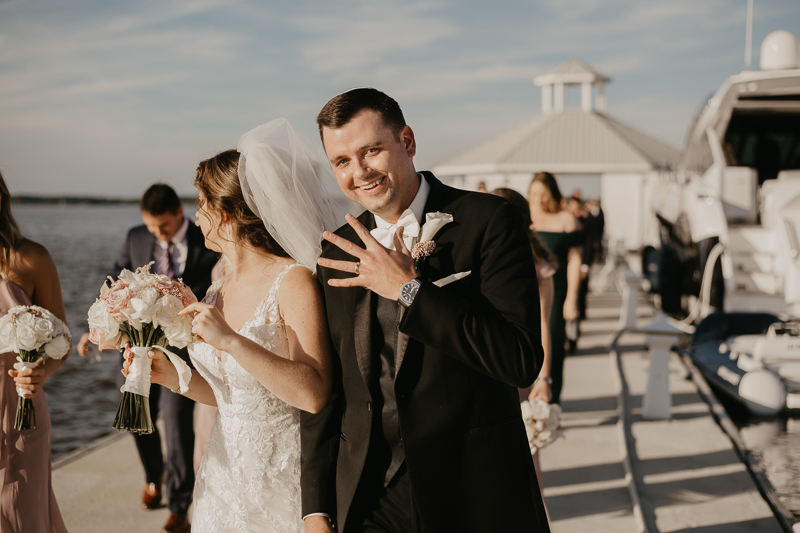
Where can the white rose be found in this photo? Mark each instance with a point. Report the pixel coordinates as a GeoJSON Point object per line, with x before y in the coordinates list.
{"type": "Point", "coordinates": [166, 311]}
{"type": "Point", "coordinates": [102, 321]}
{"type": "Point", "coordinates": [541, 409]}
{"type": "Point", "coordinates": [179, 334]}
{"type": "Point", "coordinates": [44, 329]}
{"type": "Point", "coordinates": [26, 319]}
{"type": "Point", "coordinates": [433, 223]}
{"type": "Point", "coordinates": [57, 348]}
{"type": "Point", "coordinates": [527, 410]}
{"type": "Point", "coordinates": [8, 337]}
{"type": "Point", "coordinates": [26, 338]}
{"type": "Point", "coordinates": [143, 305]}
{"type": "Point", "coordinates": [127, 277]}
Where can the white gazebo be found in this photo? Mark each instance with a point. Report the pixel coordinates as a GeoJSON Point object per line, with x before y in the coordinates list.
{"type": "Point", "coordinates": [572, 142]}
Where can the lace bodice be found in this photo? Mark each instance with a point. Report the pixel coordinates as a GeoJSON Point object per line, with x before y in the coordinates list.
{"type": "Point", "coordinates": [249, 479]}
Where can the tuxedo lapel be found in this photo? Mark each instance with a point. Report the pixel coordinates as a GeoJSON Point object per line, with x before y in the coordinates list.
{"type": "Point", "coordinates": [402, 345]}
{"type": "Point", "coordinates": [432, 204]}
{"type": "Point", "coordinates": [362, 331]}
{"type": "Point", "coordinates": [363, 315]}
{"type": "Point", "coordinates": [142, 252]}
{"type": "Point", "coordinates": [435, 196]}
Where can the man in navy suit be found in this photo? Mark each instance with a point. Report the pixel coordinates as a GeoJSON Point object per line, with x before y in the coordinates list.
{"type": "Point", "coordinates": [177, 248]}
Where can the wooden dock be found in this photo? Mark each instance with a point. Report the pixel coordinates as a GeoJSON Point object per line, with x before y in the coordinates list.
{"type": "Point", "coordinates": [612, 471]}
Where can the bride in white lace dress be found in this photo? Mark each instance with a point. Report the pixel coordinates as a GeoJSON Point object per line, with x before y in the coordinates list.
{"type": "Point", "coordinates": [262, 352]}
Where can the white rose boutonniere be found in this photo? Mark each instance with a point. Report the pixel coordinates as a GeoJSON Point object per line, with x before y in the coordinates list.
{"type": "Point", "coordinates": [425, 245]}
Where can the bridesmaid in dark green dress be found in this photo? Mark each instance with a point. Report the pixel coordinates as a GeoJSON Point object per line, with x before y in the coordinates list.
{"type": "Point", "coordinates": [561, 233]}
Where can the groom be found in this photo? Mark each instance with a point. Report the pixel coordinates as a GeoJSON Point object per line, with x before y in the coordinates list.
{"type": "Point", "coordinates": [423, 432]}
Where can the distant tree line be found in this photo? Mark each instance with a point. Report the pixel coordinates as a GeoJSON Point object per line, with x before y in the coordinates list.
{"type": "Point", "coordinates": [82, 200]}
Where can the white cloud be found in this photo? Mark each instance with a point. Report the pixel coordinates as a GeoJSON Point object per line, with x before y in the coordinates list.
{"type": "Point", "coordinates": [108, 96]}
{"type": "Point", "coordinates": [362, 34]}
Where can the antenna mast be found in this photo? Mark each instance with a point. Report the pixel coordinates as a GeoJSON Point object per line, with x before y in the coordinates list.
{"type": "Point", "coordinates": [748, 40]}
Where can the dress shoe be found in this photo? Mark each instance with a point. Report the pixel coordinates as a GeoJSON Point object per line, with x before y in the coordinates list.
{"type": "Point", "coordinates": [151, 496]}
{"type": "Point", "coordinates": [176, 523]}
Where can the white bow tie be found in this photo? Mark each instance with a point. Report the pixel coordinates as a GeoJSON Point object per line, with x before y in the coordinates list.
{"type": "Point", "coordinates": [408, 220]}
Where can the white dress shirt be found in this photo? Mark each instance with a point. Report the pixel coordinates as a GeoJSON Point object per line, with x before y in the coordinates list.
{"type": "Point", "coordinates": [417, 207]}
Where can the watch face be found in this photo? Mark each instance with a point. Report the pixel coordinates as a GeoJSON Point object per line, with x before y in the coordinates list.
{"type": "Point", "coordinates": [408, 291]}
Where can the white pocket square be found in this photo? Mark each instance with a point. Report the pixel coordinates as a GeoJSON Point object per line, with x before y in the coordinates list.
{"type": "Point", "coordinates": [451, 278]}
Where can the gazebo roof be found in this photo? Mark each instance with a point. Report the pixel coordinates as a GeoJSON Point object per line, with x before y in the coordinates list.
{"type": "Point", "coordinates": [572, 141]}
{"type": "Point", "coordinates": [573, 71]}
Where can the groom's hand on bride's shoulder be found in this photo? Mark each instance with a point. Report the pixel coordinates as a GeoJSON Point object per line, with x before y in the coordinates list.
{"type": "Point", "coordinates": [378, 269]}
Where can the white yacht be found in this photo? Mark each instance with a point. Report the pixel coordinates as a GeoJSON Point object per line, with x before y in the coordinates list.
{"type": "Point", "coordinates": [730, 230]}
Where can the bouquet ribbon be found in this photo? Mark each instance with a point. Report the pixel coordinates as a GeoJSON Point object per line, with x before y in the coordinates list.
{"type": "Point", "coordinates": [22, 365]}
{"type": "Point", "coordinates": [138, 381]}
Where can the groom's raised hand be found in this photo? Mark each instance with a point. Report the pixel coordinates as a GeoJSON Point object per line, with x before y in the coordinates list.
{"type": "Point", "coordinates": [378, 269]}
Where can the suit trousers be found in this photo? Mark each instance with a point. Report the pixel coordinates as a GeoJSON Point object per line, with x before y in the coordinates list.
{"type": "Point", "coordinates": [178, 469]}
{"type": "Point", "coordinates": [379, 509]}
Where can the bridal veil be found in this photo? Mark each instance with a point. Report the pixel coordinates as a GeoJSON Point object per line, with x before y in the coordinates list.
{"type": "Point", "coordinates": [283, 178]}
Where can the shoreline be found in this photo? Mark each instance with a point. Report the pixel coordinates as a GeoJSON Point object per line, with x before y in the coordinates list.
{"type": "Point", "coordinates": [27, 200]}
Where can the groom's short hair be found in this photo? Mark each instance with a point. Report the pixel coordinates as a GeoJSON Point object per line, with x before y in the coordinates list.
{"type": "Point", "coordinates": [342, 108]}
{"type": "Point", "coordinates": [159, 199]}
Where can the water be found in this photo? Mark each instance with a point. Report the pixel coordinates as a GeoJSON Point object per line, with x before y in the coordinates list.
{"type": "Point", "coordinates": [775, 443]}
{"type": "Point", "coordinates": [84, 242]}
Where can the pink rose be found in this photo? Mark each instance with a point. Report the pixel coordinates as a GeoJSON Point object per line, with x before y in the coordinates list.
{"type": "Point", "coordinates": [117, 298]}
{"type": "Point", "coordinates": [99, 338]}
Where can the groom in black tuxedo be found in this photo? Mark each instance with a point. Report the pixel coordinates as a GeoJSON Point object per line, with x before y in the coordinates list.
{"type": "Point", "coordinates": [177, 248]}
{"type": "Point", "coordinates": [423, 432]}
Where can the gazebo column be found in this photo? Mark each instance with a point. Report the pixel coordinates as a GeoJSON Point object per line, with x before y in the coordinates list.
{"type": "Point", "coordinates": [586, 96]}
{"type": "Point", "coordinates": [547, 99]}
{"type": "Point", "coordinates": [559, 97]}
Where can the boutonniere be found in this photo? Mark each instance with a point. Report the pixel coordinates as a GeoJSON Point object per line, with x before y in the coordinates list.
{"type": "Point", "coordinates": [425, 245]}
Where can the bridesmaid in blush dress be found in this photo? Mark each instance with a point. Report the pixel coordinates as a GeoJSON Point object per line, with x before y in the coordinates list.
{"type": "Point", "coordinates": [28, 276]}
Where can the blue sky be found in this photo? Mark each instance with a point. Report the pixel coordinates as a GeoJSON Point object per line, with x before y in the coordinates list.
{"type": "Point", "coordinates": [107, 97]}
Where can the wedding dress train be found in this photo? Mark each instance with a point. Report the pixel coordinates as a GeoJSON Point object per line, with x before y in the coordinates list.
{"type": "Point", "coordinates": [249, 478]}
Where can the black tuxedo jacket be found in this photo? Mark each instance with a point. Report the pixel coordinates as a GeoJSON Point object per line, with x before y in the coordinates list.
{"type": "Point", "coordinates": [463, 350]}
{"type": "Point", "coordinates": [138, 251]}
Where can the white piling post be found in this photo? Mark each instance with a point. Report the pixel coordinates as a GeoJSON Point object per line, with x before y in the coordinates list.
{"type": "Point", "coordinates": [630, 297]}
{"type": "Point", "coordinates": [661, 336]}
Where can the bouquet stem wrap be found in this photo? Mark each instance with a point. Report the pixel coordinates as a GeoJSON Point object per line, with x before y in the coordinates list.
{"type": "Point", "coordinates": [26, 414]}
{"type": "Point", "coordinates": [133, 412]}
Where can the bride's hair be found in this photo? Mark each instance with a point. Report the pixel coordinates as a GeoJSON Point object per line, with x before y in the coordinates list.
{"type": "Point", "coordinates": [218, 179]}
{"type": "Point", "coordinates": [10, 234]}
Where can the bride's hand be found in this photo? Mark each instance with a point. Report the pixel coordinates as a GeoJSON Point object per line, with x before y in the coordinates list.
{"type": "Point", "coordinates": [162, 371]}
{"type": "Point", "coordinates": [209, 324]}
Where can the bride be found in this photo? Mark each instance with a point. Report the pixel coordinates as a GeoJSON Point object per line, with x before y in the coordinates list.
{"type": "Point", "coordinates": [263, 348]}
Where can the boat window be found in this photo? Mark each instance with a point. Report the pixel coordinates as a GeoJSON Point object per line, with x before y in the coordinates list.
{"type": "Point", "coordinates": [766, 141]}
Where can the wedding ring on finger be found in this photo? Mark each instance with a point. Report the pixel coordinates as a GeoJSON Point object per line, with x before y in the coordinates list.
{"type": "Point", "coordinates": [357, 268]}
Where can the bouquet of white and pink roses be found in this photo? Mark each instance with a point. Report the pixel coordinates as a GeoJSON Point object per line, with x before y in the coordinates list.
{"type": "Point", "coordinates": [542, 422]}
{"type": "Point", "coordinates": [141, 308]}
{"type": "Point", "coordinates": [33, 332]}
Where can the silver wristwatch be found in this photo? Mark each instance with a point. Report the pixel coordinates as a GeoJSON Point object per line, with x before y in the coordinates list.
{"type": "Point", "coordinates": [408, 291]}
